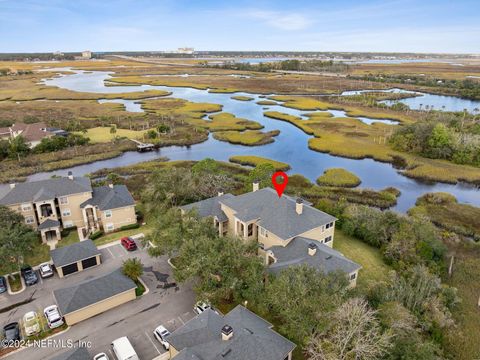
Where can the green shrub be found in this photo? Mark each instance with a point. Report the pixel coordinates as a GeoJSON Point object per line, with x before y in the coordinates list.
{"type": "Point", "coordinates": [96, 235]}
{"type": "Point", "coordinates": [131, 226]}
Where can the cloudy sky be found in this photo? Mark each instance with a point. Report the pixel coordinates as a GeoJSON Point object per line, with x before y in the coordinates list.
{"type": "Point", "coordinates": [340, 25]}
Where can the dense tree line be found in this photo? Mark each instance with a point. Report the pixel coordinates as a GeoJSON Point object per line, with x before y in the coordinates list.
{"type": "Point", "coordinates": [287, 65]}
{"type": "Point", "coordinates": [403, 317]}
{"type": "Point", "coordinates": [17, 147]}
{"type": "Point", "coordinates": [466, 88]}
{"type": "Point", "coordinates": [437, 140]}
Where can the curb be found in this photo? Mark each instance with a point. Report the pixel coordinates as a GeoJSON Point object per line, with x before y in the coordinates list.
{"type": "Point", "coordinates": [170, 263]}
{"type": "Point", "coordinates": [10, 292]}
{"type": "Point", "coordinates": [147, 289]}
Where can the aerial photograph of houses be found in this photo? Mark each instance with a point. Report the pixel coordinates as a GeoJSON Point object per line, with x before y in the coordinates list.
{"type": "Point", "coordinates": [252, 180]}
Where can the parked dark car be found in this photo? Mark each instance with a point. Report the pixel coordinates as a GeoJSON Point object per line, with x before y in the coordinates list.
{"type": "Point", "coordinates": [3, 284]}
{"type": "Point", "coordinates": [129, 244]}
{"type": "Point", "coordinates": [11, 332]}
{"type": "Point", "coordinates": [29, 275]}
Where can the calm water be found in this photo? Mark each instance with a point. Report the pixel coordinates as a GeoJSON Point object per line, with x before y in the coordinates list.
{"type": "Point", "coordinates": [291, 146]}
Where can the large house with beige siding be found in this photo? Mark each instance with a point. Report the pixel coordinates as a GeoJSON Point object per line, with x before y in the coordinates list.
{"type": "Point", "coordinates": [59, 203]}
{"type": "Point", "coordinates": [288, 231]}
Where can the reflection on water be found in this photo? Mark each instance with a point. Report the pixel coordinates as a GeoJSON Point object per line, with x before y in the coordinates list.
{"type": "Point", "coordinates": [291, 146]}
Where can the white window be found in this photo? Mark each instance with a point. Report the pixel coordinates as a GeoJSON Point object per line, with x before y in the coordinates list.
{"type": "Point", "coordinates": [63, 200]}
{"type": "Point", "coordinates": [109, 227]}
{"type": "Point", "coordinates": [68, 224]}
{"type": "Point", "coordinates": [108, 213]}
{"type": "Point", "coordinates": [263, 232]}
{"type": "Point", "coordinates": [26, 207]}
{"type": "Point", "coordinates": [66, 212]}
{"type": "Point", "coordinates": [329, 225]}
{"type": "Point", "coordinates": [353, 276]}
{"type": "Point", "coordinates": [29, 220]}
{"type": "Point", "coordinates": [328, 239]}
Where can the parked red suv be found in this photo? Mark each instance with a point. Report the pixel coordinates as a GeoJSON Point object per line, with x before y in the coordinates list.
{"type": "Point", "coordinates": [129, 244]}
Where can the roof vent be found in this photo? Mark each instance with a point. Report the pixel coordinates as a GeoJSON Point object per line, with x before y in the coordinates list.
{"type": "Point", "coordinates": [328, 257]}
{"type": "Point", "coordinates": [227, 332]}
{"type": "Point", "coordinates": [299, 206]}
{"type": "Point", "coordinates": [312, 249]}
{"type": "Point", "coordinates": [226, 352]}
{"type": "Point", "coordinates": [70, 175]}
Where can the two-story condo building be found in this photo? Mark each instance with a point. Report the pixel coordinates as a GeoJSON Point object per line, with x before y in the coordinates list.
{"type": "Point", "coordinates": [54, 204]}
{"type": "Point", "coordinates": [289, 231]}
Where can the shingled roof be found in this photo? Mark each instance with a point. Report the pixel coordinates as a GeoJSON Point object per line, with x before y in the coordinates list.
{"type": "Point", "coordinates": [79, 353]}
{"type": "Point", "coordinates": [72, 253]}
{"type": "Point", "coordinates": [106, 197]}
{"type": "Point", "coordinates": [92, 291]}
{"type": "Point", "coordinates": [46, 190]}
{"type": "Point", "coordinates": [253, 338]}
{"type": "Point", "coordinates": [210, 207]}
{"type": "Point", "coordinates": [325, 258]}
{"type": "Point", "coordinates": [277, 214]}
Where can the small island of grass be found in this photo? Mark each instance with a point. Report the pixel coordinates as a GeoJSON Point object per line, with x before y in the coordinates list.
{"type": "Point", "coordinates": [267, 102]}
{"type": "Point", "coordinates": [252, 160]}
{"type": "Point", "coordinates": [339, 178]}
{"type": "Point", "coordinates": [242, 98]}
{"type": "Point", "coordinates": [248, 137]}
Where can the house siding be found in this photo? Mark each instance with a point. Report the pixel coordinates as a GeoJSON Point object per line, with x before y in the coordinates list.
{"type": "Point", "coordinates": [120, 217]}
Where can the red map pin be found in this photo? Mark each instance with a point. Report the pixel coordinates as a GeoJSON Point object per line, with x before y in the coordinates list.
{"type": "Point", "coordinates": [280, 187]}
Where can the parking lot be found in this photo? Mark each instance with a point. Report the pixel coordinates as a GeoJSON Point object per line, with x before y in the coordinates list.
{"type": "Point", "coordinates": [137, 319]}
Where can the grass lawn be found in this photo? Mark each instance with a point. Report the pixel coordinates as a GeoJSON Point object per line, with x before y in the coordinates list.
{"type": "Point", "coordinates": [102, 134]}
{"type": "Point", "coordinates": [373, 267]}
{"type": "Point", "coordinates": [105, 239]}
{"type": "Point", "coordinates": [70, 239]}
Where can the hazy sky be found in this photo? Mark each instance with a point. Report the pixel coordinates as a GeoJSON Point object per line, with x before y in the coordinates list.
{"type": "Point", "coordinates": [341, 25]}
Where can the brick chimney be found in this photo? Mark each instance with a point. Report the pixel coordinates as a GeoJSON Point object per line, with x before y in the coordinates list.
{"type": "Point", "coordinates": [312, 249]}
{"type": "Point", "coordinates": [256, 185]}
{"type": "Point", "coordinates": [299, 206]}
{"type": "Point", "coordinates": [227, 332]}
{"type": "Point", "coordinates": [70, 175]}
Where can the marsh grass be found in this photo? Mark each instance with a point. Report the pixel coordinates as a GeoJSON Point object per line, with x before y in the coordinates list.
{"type": "Point", "coordinates": [251, 160]}
{"type": "Point", "coordinates": [248, 137]}
{"type": "Point", "coordinates": [338, 177]}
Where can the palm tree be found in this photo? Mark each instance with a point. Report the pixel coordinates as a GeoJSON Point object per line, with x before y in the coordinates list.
{"type": "Point", "coordinates": [133, 268]}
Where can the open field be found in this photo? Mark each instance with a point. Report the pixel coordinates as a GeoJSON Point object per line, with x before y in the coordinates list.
{"type": "Point", "coordinates": [248, 137]}
{"type": "Point", "coordinates": [102, 134]}
{"type": "Point", "coordinates": [338, 177]}
{"type": "Point", "coordinates": [252, 160]}
{"type": "Point", "coordinates": [463, 339]}
{"type": "Point", "coordinates": [442, 70]}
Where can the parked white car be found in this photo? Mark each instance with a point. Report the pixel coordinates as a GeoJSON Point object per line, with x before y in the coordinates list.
{"type": "Point", "coordinates": [101, 356]}
{"type": "Point", "coordinates": [54, 319]}
{"type": "Point", "coordinates": [161, 334]}
{"type": "Point", "coordinates": [200, 307]}
{"type": "Point", "coordinates": [46, 270]}
{"type": "Point", "coordinates": [31, 323]}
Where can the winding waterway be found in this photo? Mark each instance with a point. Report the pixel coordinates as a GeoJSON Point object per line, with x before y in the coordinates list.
{"type": "Point", "coordinates": [291, 146]}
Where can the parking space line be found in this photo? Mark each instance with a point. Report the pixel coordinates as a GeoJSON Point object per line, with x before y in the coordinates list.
{"type": "Point", "coordinates": [125, 251]}
{"type": "Point", "coordinates": [149, 338]}
{"type": "Point", "coordinates": [110, 252]}
{"type": "Point", "coordinates": [111, 353]}
{"type": "Point", "coordinates": [181, 320]}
